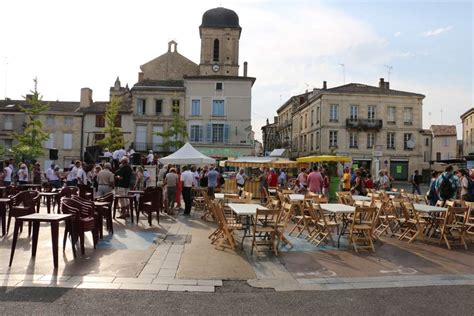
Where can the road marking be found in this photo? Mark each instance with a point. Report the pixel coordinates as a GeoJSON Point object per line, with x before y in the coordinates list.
{"type": "Point", "coordinates": [401, 270]}
{"type": "Point", "coordinates": [324, 273]}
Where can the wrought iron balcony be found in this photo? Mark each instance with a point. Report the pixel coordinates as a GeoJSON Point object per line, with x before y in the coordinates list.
{"type": "Point", "coordinates": [364, 124]}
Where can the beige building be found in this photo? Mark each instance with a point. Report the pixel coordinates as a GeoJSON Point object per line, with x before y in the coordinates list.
{"type": "Point", "coordinates": [218, 100]}
{"type": "Point", "coordinates": [62, 123]}
{"type": "Point", "coordinates": [213, 99]}
{"type": "Point", "coordinates": [94, 116]}
{"type": "Point", "coordinates": [468, 132]}
{"type": "Point", "coordinates": [377, 126]}
{"type": "Point", "coordinates": [444, 142]}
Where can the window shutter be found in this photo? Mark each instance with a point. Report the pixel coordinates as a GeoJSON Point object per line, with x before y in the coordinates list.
{"type": "Point", "coordinates": [209, 133]}
{"type": "Point", "coordinates": [201, 133]}
{"type": "Point", "coordinates": [226, 133]}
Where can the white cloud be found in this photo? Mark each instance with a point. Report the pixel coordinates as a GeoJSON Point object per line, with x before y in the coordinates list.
{"type": "Point", "coordinates": [397, 34]}
{"type": "Point", "coordinates": [437, 31]}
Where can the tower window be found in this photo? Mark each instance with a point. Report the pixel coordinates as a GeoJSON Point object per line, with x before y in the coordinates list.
{"type": "Point", "coordinates": [216, 50]}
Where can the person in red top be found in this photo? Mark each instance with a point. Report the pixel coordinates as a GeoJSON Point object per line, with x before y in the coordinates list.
{"type": "Point", "coordinates": [272, 178]}
{"type": "Point", "coordinates": [369, 183]}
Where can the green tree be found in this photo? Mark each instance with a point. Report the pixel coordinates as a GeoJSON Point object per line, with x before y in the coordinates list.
{"type": "Point", "coordinates": [176, 134]}
{"type": "Point", "coordinates": [29, 144]}
{"type": "Point", "coordinates": [113, 135]}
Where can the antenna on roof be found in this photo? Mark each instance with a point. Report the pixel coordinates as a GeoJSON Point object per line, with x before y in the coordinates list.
{"type": "Point", "coordinates": [441, 116]}
{"type": "Point", "coordinates": [389, 71]}
{"type": "Point", "coordinates": [6, 77]}
{"type": "Point", "coordinates": [343, 72]}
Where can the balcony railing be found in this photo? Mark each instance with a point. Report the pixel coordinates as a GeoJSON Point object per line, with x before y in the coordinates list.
{"type": "Point", "coordinates": [364, 124]}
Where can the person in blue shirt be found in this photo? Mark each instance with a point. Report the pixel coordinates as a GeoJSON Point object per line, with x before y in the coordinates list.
{"type": "Point", "coordinates": [212, 177]}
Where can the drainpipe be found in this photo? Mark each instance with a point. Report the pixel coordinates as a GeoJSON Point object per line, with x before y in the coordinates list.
{"type": "Point", "coordinates": [82, 138]}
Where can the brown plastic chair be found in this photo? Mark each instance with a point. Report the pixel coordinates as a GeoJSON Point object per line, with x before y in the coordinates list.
{"type": "Point", "coordinates": [84, 220]}
{"type": "Point", "coordinates": [151, 201]}
{"type": "Point", "coordinates": [23, 203]}
{"type": "Point", "coordinates": [66, 192]}
{"type": "Point", "coordinates": [106, 211]}
{"type": "Point", "coordinates": [86, 192]}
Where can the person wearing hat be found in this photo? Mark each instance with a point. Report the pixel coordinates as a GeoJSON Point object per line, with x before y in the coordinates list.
{"type": "Point", "coordinates": [150, 158]}
{"type": "Point", "coordinates": [105, 180]}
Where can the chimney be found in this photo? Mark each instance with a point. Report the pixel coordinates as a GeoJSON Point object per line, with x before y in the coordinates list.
{"type": "Point", "coordinates": [381, 83]}
{"type": "Point", "coordinates": [245, 68]}
{"type": "Point", "coordinates": [275, 119]}
{"type": "Point", "coordinates": [140, 77]}
{"type": "Point", "coordinates": [86, 98]}
{"type": "Point", "coordinates": [325, 85]}
{"type": "Point", "coordinates": [387, 85]}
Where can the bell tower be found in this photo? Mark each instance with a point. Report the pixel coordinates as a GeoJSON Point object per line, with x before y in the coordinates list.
{"type": "Point", "coordinates": [220, 35]}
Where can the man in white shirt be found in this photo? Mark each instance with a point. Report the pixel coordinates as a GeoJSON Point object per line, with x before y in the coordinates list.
{"type": "Point", "coordinates": [121, 153]}
{"type": "Point", "coordinates": [107, 153]}
{"type": "Point", "coordinates": [150, 158]}
{"type": "Point", "coordinates": [239, 178]}
{"type": "Point", "coordinates": [187, 177]}
{"type": "Point", "coordinates": [196, 176]}
{"type": "Point", "coordinates": [81, 174]}
{"type": "Point", "coordinates": [7, 174]}
{"type": "Point", "coordinates": [72, 175]}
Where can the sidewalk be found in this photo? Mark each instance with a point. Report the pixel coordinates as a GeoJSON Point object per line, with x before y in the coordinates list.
{"type": "Point", "coordinates": [178, 256]}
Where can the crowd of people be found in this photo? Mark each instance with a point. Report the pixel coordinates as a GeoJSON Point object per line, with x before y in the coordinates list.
{"type": "Point", "coordinates": [451, 185]}
{"type": "Point", "coordinates": [179, 182]}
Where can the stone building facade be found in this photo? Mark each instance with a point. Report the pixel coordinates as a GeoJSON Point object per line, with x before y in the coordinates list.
{"type": "Point", "coordinates": [355, 120]}
{"type": "Point", "coordinates": [61, 121]}
{"type": "Point", "coordinates": [444, 142]}
{"type": "Point", "coordinates": [468, 132]}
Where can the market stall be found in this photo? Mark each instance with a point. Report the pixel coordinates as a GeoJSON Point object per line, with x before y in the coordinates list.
{"type": "Point", "coordinates": [252, 165]}
{"type": "Point", "coordinates": [333, 172]}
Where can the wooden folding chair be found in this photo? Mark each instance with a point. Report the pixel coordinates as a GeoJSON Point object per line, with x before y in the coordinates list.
{"type": "Point", "coordinates": [360, 234]}
{"type": "Point", "coordinates": [224, 234]}
{"type": "Point", "coordinates": [470, 221]}
{"type": "Point", "coordinates": [387, 218]}
{"type": "Point", "coordinates": [301, 218]}
{"type": "Point", "coordinates": [265, 229]}
{"type": "Point", "coordinates": [284, 219]}
{"type": "Point", "coordinates": [324, 226]}
{"type": "Point", "coordinates": [454, 226]}
{"type": "Point", "coordinates": [416, 224]}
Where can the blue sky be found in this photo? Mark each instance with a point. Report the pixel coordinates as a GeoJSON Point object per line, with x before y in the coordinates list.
{"type": "Point", "coordinates": [291, 46]}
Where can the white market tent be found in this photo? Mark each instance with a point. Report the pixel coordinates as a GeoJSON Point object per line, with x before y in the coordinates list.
{"type": "Point", "coordinates": [187, 155]}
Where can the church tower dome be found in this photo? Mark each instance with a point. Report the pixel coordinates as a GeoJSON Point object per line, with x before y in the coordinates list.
{"type": "Point", "coordinates": [220, 17]}
{"type": "Point", "coordinates": [220, 34]}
